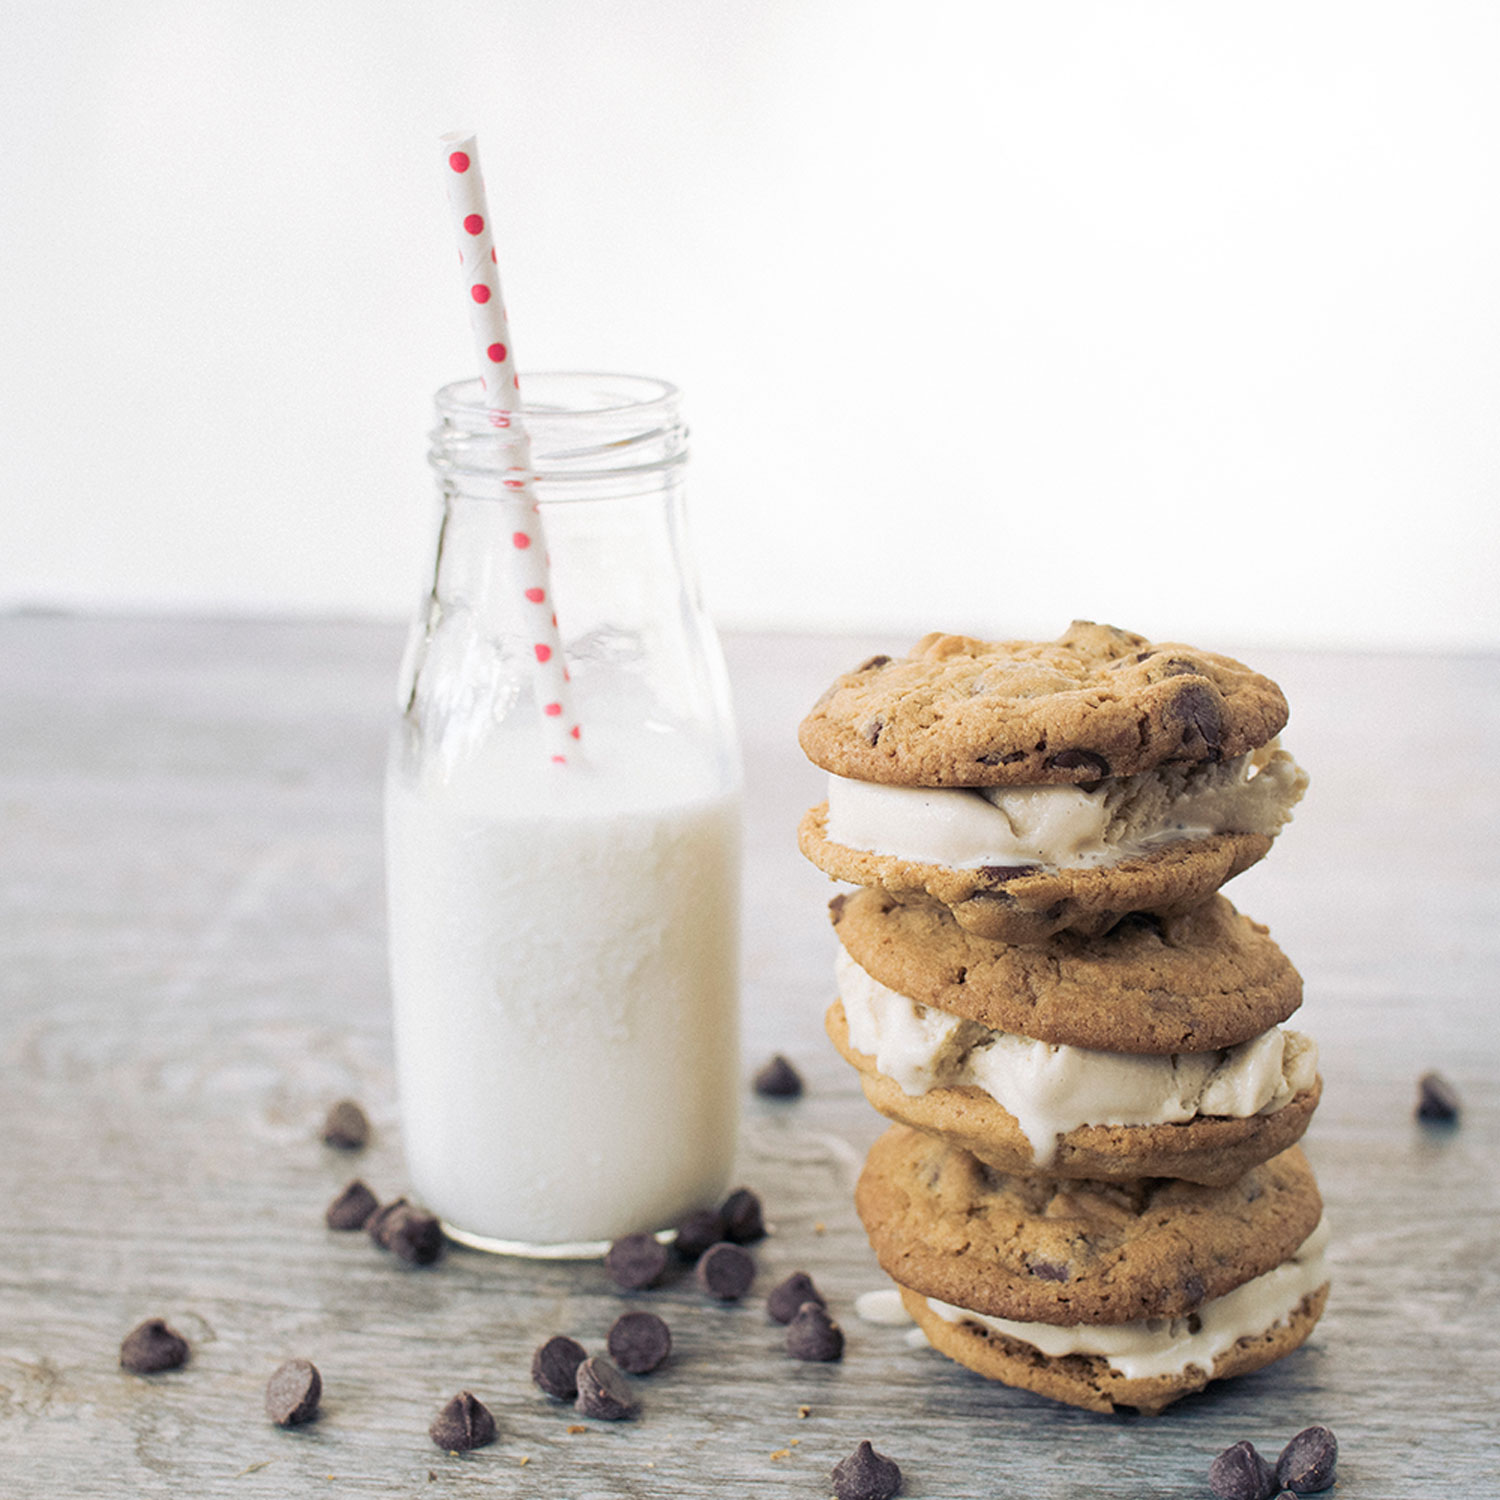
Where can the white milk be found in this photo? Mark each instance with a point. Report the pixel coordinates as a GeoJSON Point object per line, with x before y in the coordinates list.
{"type": "Point", "coordinates": [564, 962]}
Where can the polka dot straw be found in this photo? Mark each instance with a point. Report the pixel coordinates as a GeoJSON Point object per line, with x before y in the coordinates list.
{"type": "Point", "coordinates": [526, 561]}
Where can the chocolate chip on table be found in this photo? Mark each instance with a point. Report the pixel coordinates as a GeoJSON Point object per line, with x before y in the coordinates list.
{"type": "Point", "coordinates": [414, 1237]}
{"type": "Point", "coordinates": [1240, 1473]}
{"type": "Point", "coordinates": [554, 1366]}
{"type": "Point", "coordinates": [725, 1271]}
{"type": "Point", "coordinates": [293, 1392]}
{"type": "Point", "coordinates": [378, 1225]}
{"type": "Point", "coordinates": [866, 1475]}
{"type": "Point", "coordinates": [152, 1346]}
{"type": "Point", "coordinates": [743, 1221]}
{"type": "Point", "coordinates": [352, 1208]}
{"type": "Point", "coordinates": [787, 1296]}
{"type": "Point", "coordinates": [464, 1423]}
{"type": "Point", "coordinates": [636, 1261]}
{"type": "Point", "coordinates": [778, 1079]}
{"type": "Point", "coordinates": [1437, 1099]}
{"type": "Point", "coordinates": [638, 1342]}
{"type": "Point", "coordinates": [814, 1336]}
{"type": "Point", "coordinates": [1308, 1462]}
{"type": "Point", "coordinates": [346, 1126]}
{"type": "Point", "coordinates": [603, 1392]}
{"type": "Point", "coordinates": [697, 1232]}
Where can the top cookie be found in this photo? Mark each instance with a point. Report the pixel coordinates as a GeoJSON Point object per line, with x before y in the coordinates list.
{"type": "Point", "coordinates": [1096, 702]}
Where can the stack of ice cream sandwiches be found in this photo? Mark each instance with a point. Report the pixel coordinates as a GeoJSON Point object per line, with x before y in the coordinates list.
{"type": "Point", "coordinates": [1093, 1188]}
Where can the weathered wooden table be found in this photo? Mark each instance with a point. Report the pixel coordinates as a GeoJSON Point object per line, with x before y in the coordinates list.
{"type": "Point", "coordinates": [192, 968]}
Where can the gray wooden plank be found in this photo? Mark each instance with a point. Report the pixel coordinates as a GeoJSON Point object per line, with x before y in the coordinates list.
{"type": "Point", "coordinates": [191, 968]}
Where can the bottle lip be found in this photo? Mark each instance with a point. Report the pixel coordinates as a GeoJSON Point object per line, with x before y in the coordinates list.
{"type": "Point", "coordinates": [582, 426]}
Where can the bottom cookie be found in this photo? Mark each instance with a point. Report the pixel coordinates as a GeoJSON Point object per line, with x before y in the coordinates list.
{"type": "Point", "coordinates": [1092, 1381]}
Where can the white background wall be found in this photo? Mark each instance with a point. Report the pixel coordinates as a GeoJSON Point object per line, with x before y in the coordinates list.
{"type": "Point", "coordinates": [987, 314]}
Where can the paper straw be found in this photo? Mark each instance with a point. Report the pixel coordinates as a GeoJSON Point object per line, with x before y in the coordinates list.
{"type": "Point", "coordinates": [526, 557]}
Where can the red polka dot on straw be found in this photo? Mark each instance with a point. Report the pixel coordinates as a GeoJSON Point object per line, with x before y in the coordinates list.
{"type": "Point", "coordinates": [520, 539]}
{"type": "Point", "coordinates": [474, 223]}
{"type": "Point", "coordinates": [459, 161]}
{"type": "Point", "coordinates": [496, 352]}
{"type": "Point", "coordinates": [480, 293]}
{"type": "Point", "coordinates": [543, 652]}
{"type": "Point", "coordinates": [536, 595]}
{"type": "Point", "coordinates": [576, 731]}
{"type": "Point", "coordinates": [552, 710]}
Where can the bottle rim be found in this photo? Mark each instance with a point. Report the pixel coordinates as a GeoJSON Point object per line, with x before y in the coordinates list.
{"type": "Point", "coordinates": [583, 426]}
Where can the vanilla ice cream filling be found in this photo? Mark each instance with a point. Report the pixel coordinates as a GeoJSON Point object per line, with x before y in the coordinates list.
{"type": "Point", "coordinates": [1167, 1346]}
{"type": "Point", "coordinates": [1065, 827]}
{"type": "Point", "coordinates": [1051, 1089]}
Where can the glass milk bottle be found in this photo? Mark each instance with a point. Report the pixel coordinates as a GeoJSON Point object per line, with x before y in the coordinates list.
{"type": "Point", "coordinates": [564, 939]}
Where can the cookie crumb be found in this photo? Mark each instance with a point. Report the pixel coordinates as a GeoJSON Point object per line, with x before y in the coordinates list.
{"type": "Point", "coordinates": [574, 1428]}
{"type": "Point", "coordinates": [820, 1227]}
{"type": "Point", "coordinates": [780, 1453]}
{"type": "Point", "coordinates": [524, 1459]}
{"type": "Point", "coordinates": [346, 1126]}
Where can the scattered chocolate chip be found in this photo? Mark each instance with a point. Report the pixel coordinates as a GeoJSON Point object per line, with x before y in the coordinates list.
{"type": "Point", "coordinates": [814, 1336]}
{"type": "Point", "coordinates": [743, 1222]}
{"type": "Point", "coordinates": [352, 1208]}
{"type": "Point", "coordinates": [603, 1392]}
{"type": "Point", "coordinates": [1437, 1099]}
{"type": "Point", "coordinates": [346, 1126]}
{"type": "Point", "coordinates": [152, 1346]}
{"type": "Point", "coordinates": [636, 1261]}
{"type": "Point", "coordinates": [292, 1393]}
{"type": "Point", "coordinates": [778, 1079]}
{"type": "Point", "coordinates": [464, 1423]}
{"type": "Point", "coordinates": [1307, 1463]}
{"type": "Point", "coordinates": [874, 661]}
{"type": "Point", "coordinates": [787, 1296]}
{"type": "Point", "coordinates": [1195, 706]}
{"type": "Point", "coordinates": [999, 874]}
{"type": "Point", "coordinates": [1078, 760]}
{"type": "Point", "coordinates": [554, 1366]}
{"type": "Point", "coordinates": [1047, 1270]}
{"type": "Point", "coordinates": [866, 1475]}
{"type": "Point", "coordinates": [639, 1341]}
{"type": "Point", "coordinates": [697, 1232]}
{"type": "Point", "coordinates": [1240, 1473]}
{"type": "Point", "coordinates": [725, 1271]}
{"type": "Point", "coordinates": [414, 1237]}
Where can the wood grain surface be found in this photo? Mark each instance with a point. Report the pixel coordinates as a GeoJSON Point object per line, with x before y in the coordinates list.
{"type": "Point", "coordinates": [192, 969]}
